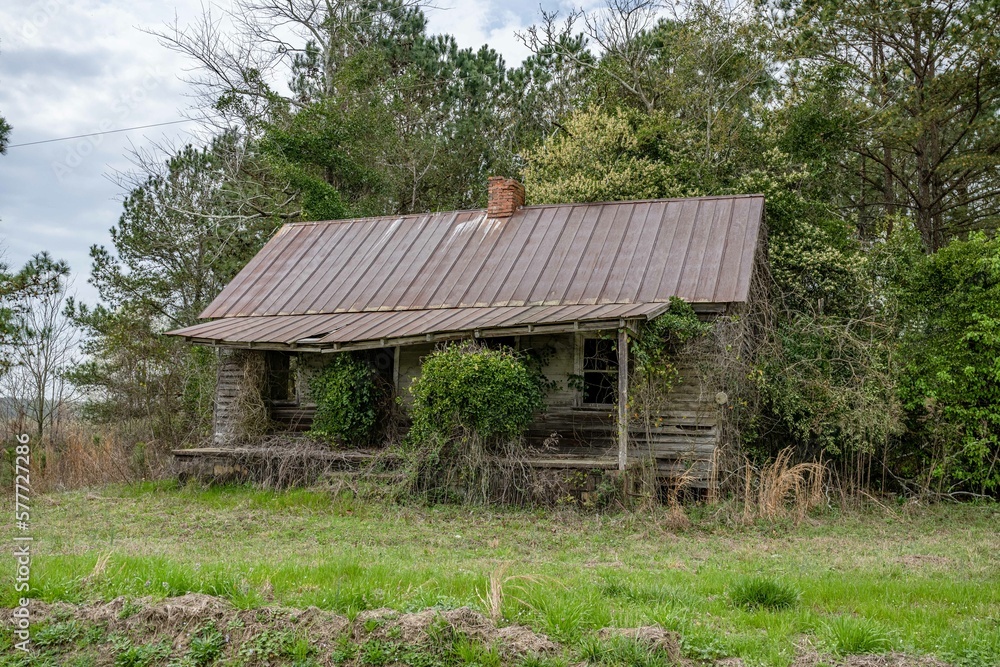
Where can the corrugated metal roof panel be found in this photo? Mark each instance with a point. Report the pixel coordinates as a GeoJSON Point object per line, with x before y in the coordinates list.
{"type": "Point", "coordinates": [700, 250]}
{"type": "Point", "coordinates": [327, 330]}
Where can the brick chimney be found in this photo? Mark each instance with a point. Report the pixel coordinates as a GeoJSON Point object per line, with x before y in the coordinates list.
{"type": "Point", "coordinates": [506, 196]}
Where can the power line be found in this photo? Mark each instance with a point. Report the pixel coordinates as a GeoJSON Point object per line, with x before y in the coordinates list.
{"type": "Point", "coordinates": [94, 134]}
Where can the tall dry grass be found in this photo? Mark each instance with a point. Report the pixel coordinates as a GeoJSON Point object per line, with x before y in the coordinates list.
{"type": "Point", "coordinates": [780, 490]}
{"type": "Point", "coordinates": [82, 457]}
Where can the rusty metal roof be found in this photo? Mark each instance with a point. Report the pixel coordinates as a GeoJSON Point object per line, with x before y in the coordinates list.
{"type": "Point", "coordinates": [538, 263]}
{"type": "Point", "coordinates": [330, 331]}
{"type": "Point", "coordinates": [700, 250]}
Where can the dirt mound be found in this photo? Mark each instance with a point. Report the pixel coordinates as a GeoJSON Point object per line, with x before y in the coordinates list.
{"type": "Point", "coordinates": [182, 611]}
{"type": "Point", "coordinates": [175, 622]}
{"type": "Point", "coordinates": [652, 636]}
{"type": "Point", "coordinates": [250, 634]}
{"type": "Point", "coordinates": [422, 627]}
{"type": "Point", "coordinates": [871, 660]}
{"type": "Point", "coordinates": [522, 639]}
{"type": "Point", "coordinates": [178, 620]}
{"type": "Point", "coordinates": [49, 611]}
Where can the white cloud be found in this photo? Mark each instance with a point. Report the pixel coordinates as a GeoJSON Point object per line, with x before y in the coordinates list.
{"type": "Point", "coordinates": [70, 67]}
{"type": "Point", "coordinates": [483, 22]}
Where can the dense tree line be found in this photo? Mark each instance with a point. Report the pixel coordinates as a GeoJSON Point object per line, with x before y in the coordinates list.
{"type": "Point", "coordinates": [871, 127]}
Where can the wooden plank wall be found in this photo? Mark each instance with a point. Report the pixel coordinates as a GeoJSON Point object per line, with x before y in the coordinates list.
{"type": "Point", "coordinates": [230, 369]}
{"type": "Point", "coordinates": [681, 440]}
{"type": "Point", "coordinates": [683, 437]}
{"type": "Point", "coordinates": [230, 375]}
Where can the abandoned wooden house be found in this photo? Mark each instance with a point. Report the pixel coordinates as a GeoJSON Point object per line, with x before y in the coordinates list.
{"type": "Point", "coordinates": [576, 278]}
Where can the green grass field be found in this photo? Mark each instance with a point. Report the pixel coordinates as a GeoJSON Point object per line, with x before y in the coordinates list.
{"type": "Point", "coordinates": [912, 579]}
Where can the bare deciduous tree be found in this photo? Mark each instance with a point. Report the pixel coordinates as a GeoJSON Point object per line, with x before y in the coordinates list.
{"type": "Point", "coordinates": [245, 56]}
{"type": "Point", "coordinates": [40, 348]}
{"type": "Point", "coordinates": [236, 189]}
{"type": "Point", "coordinates": [616, 31]}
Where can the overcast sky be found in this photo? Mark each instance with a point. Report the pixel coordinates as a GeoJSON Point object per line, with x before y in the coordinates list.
{"type": "Point", "coordinates": [71, 67]}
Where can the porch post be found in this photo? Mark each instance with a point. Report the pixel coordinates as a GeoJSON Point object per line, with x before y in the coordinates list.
{"type": "Point", "coordinates": [622, 398]}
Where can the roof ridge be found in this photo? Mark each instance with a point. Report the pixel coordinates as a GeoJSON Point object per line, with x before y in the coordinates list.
{"type": "Point", "coordinates": [403, 216]}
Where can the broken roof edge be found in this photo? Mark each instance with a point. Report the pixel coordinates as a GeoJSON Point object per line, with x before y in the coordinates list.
{"type": "Point", "coordinates": [326, 348]}
{"type": "Point", "coordinates": [347, 331]}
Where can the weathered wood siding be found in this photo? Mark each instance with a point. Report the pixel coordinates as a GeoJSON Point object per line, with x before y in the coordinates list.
{"type": "Point", "coordinates": [682, 437]}
{"type": "Point", "coordinates": [680, 440]}
{"type": "Point", "coordinates": [231, 379]}
{"type": "Point", "coordinates": [230, 369]}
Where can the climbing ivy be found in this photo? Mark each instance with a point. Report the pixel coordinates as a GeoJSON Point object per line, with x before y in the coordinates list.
{"type": "Point", "coordinates": [346, 401]}
{"type": "Point", "coordinates": [490, 392]}
{"type": "Point", "coordinates": [654, 348]}
{"type": "Point", "coordinates": [656, 341]}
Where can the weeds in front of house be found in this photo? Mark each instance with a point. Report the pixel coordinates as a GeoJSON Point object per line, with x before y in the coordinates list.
{"type": "Point", "coordinates": [129, 654]}
{"type": "Point", "coordinates": [62, 632]}
{"type": "Point", "coordinates": [781, 490]}
{"type": "Point", "coordinates": [561, 572]}
{"type": "Point", "coordinates": [80, 457]}
{"type": "Point", "coordinates": [851, 635]}
{"type": "Point", "coordinates": [205, 647]}
{"type": "Point", "coordinates": [763, 593]}
{"type": "Point", "coordinates": [621, 652]}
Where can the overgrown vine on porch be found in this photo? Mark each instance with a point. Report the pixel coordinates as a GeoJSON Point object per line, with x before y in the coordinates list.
{"type": "Point", "coordinates": [347, 401]}
{"type": "Point", "coordinates": [471, 407]}
{"type": "Point", "coordinates": [654, 348]}
{"type": "Point", "coordinates": [656, 342]}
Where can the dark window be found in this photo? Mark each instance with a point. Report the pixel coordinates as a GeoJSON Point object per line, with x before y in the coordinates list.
{"type": "Point", "coordinates": [381, 361]}
{"type": "Point", "coordinates": [600, 371]}
{"type": "Point", "coordinates": [280, 378]}
{"type": "Point", "coordinates": [496, 342]}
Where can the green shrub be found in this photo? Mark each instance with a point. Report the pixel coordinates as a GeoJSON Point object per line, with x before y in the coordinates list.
{"type": "Point", "coordinates": [763, 593]}
{"type": "Point", "coordinates": [206, 647]}
{"type": "Point", "coordinates": [470, 407]}
{"type": "Point", "coordinates": [850, 635]}
{"type": "Point", "coordinates": [139, 655]}
{"type": "Point", "coordinates": [831, 404]}
{"type": "Point", "coordinates": [346, 401]}
{"type": "Point", "coordinates": [488, 392]}
{"type": "Point", "coordinates": [57, 633]}
{"type": "Point", "coordinates": [951, 382]}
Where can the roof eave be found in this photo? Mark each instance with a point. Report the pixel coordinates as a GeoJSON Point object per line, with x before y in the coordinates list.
{"type": "Point", "coordinates": [435, 337]}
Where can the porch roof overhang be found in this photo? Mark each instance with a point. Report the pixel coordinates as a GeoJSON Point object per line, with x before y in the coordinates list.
{"type": "Point", "coordinates": [365, 330]}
